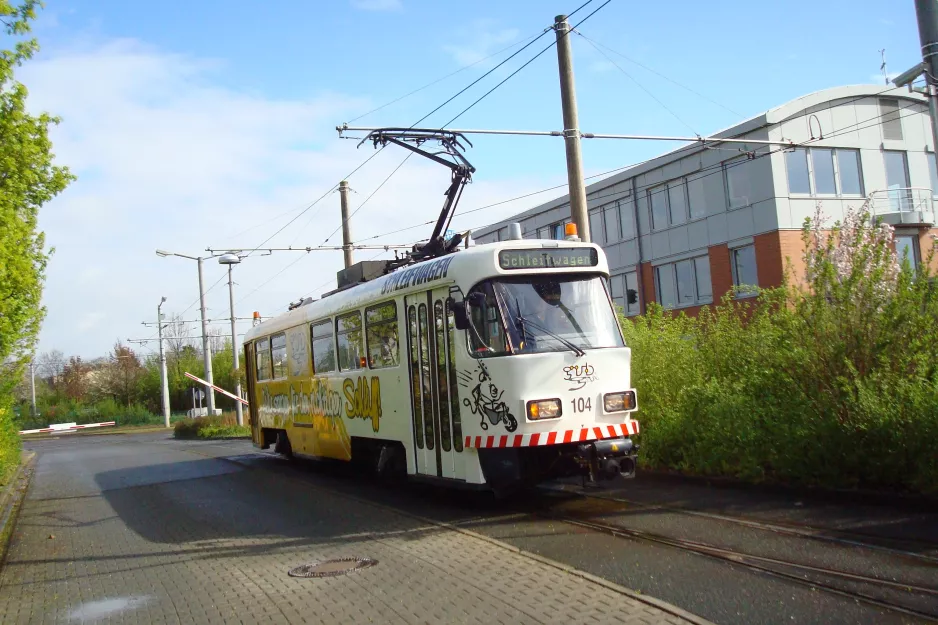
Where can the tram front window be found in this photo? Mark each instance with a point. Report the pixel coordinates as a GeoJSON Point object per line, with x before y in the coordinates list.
{"type": "Point", "coordinates": [543, 314]}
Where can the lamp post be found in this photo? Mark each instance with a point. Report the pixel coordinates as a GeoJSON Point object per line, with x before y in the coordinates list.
{"type": "Point", "coordinates": [206, 354]}
{"type": "Point", "coordinates": [164, 381]}
{"type": "Point", "coordinates": [231, 260]}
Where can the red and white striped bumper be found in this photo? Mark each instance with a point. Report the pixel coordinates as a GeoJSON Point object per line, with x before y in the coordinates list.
{"type": "Point", "coordinates": [553, 438]}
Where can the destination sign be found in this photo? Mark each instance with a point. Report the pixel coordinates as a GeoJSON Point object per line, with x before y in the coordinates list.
{"type": "Point", "coordinates": [548, 258]}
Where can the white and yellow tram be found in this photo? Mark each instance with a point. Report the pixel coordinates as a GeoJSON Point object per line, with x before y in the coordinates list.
{"type": "Point", "coordinates": [495, 365]}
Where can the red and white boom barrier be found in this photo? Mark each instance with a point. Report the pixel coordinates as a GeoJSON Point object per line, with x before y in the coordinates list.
{"type": "Point", "coordinates": [68, 427]}
{"type": "Point", "coordinates": [220, 390]}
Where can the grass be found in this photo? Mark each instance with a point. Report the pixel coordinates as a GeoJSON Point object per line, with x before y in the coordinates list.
{"type": "Point", "coordinates": [223, 426]}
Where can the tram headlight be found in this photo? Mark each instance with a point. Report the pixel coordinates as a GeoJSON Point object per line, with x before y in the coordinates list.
{"type": "Point", "coordinates": [544, 409]}
{"type": "Point", "coordinates": [619, 402]}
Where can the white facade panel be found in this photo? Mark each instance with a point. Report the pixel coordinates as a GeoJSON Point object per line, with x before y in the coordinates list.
{"type": "Point", "coordinates": [660, 245]}
{"type": "Point", "coordinates": [716, 227]}
{"type": "Point", "coordinates": [765, 216]}
{"type": "Point", "coordinates": [739, 223]}
{"type": "Point", "coordinates": [678, 239]}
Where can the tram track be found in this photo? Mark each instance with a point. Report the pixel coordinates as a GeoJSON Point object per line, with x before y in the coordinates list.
{"type": "Point", "coordinates": [900, 547]}
{"type": "Point", "coordinates": [910, 599]}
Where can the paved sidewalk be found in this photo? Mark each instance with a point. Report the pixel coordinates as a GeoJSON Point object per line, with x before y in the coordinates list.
{"type": "Point", "coordinates": [154, 535]}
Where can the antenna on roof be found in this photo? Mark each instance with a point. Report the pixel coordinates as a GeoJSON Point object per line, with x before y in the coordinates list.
{"type": "Point", "coordinates": [882, 67]}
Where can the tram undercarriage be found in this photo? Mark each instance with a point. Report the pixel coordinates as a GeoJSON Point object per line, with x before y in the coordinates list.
{"type": "Point", "coordinates": [600, 460]}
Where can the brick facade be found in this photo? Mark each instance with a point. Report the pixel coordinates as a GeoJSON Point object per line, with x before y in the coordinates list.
{"type": "Point", "coordinates": [926, 242]}
{"type": "Point", "coordinates": [721, 276]}
{"type": "Point", "coordinates": [777, 253]}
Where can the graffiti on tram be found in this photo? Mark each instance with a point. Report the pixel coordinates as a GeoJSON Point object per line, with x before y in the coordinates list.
{"type": "Point", "coordinates": [486, 400]}
{"type": "Point", "coordinates": [362, 400]}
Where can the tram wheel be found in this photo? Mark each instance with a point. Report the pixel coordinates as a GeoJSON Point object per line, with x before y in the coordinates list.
{"type": "Point", "coordinates": [282, 446]}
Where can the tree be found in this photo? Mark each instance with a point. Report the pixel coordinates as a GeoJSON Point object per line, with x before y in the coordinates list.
{"type": "Point", "coordinates": [123, 374]}
{"type": "Point", "coordinates": [49, 365]}
{"type": "Point", "coordinates": [28, 180]}
{"type": "Point", "coordinates": [75, 378]}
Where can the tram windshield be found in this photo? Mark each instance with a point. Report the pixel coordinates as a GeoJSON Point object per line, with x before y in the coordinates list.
{"type": "Point", "coordinates": [533, 314]}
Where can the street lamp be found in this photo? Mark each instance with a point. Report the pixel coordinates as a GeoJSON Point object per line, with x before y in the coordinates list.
{"type": "Point", "coordinates": [164, 381]}
{"type": "Point", "coordinates": [206, 354]}
{"type": "Point", "coordinates": [231, 260]}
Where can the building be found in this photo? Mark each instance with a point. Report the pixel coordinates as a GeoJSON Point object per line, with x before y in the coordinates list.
{"type": "Point", "coordinates": [683, 228]}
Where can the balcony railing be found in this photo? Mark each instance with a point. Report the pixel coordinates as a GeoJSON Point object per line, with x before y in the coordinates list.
{"type": "Point", "coordinates": [905, 205]}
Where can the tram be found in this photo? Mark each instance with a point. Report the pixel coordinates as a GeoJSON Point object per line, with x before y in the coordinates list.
{"type": "Point", "coordinates": [492, 366]}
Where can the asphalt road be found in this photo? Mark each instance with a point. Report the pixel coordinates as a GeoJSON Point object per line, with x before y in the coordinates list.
{"type": "Point", "coordinates": [721, 592]}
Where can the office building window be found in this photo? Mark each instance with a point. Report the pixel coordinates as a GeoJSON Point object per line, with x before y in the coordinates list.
{"type": "Point", "coordinates": [738, 186]}
{"type": "Point", "coordinates": [907, 249]}
{"type": "Point", "coordinates": [704, 285]}
{"type": "Point", "coordinates": [889, 116]}
{"type": "Point", "coordinates": [684, 283]}
{"type": "Point", "coordinates": [849, 172]}
{"type": "Point", "coordinates": [632, 306]}
{"type": "Point", "coordinates": [743, 266]}
{"type": "Point", "coordinates": [695, 196]}
{"type": "Point", "coordinates": [823, 163]}
{"type": "Point", "coordinates": [611, 222]}
{"type": "Point", "coordinates": [677, 201]}
{"type": "Point", "coordinates": [658, 199]}
{"type": "Point", "coordinates": [796, 162]}
{"type": "Point", "coordinates": [824, 171]}
{"type": "Point", "coordinates": [897, 181]}
{"type": "Point", "coordinates": [627, 217]}
{"type": "Point", "coordinates": [597, 228]}
{"type": "Point", "coordinates": [673, 203]}
{"type": "Point", "coordinates": [624, 290]}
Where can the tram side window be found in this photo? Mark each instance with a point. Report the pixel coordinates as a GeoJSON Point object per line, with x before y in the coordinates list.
{"type": "Point", "coordinates": [381, 334]}
{"type": "Point", "coordinates": [349, 337]}
{"type": "Point", "coordinates": [262, 350]}
{"type": "Point", "coordinates": [323, 347]}
{"type": "Point", "coordinates": [488, 323]}
{"type": "Point", "coordinates": [278, 355]}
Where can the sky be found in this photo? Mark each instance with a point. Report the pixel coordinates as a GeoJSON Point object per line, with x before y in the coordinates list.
{"type": "Point", "coordinates": [210, 124]}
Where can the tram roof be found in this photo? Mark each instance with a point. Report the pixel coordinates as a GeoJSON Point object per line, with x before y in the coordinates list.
{"type": "Point", "coordinates": [470, 265]}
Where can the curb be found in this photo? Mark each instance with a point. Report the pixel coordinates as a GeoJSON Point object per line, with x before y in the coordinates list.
{"type": "Point", "coordinates": [651, 601]}
{"type": "Point", "coordinates": [11, 500]}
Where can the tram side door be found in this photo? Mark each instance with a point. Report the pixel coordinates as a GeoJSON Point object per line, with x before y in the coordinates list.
{"type": "Point", "coordinates": [435, 407]}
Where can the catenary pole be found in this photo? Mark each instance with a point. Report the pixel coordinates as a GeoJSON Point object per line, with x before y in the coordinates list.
{"type": "Point", "coordinates": [346, 227]}
{"type": "Point", "coordinates": [32, 386]}
{"type": "Point", "coordinates": [164, 378]}
{"type": "Point", "coordinates": [927, 13]}
{"type": "Point", "coordinates": [206, 353]}
{"type": "Point", "coordinates": [571, 130]}
{"type": "Point", "coordinates": [239, 412]}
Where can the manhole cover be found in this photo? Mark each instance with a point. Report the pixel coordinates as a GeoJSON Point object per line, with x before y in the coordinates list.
{"type": "Point", "coordinates": [332, 568]}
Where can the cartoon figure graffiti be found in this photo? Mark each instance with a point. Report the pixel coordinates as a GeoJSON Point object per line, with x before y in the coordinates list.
{"type": "Point", "coordinates": [579, 375]}
{"type": "Point", "coordinates": [486, 401]}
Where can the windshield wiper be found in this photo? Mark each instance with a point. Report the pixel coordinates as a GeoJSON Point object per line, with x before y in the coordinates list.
{"type": "Point", "coordinates": [568, 344]}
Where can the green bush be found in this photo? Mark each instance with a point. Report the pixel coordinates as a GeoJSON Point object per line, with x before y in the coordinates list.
{"type": "Point", "coordinates": [220, 426]}
{"type": "Point", "coordinates": [9, 445]}
{"type": "Point", "coordinates": [833, 382]}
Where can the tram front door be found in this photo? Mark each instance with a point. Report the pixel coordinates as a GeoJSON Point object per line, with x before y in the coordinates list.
{"type": "Point", "coordinates": [438, 443]}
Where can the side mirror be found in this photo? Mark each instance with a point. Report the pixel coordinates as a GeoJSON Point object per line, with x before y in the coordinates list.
{"type": "Point", "coordinates": [460, 315]}
{"type": "Point", "coordinates": [476, 300]}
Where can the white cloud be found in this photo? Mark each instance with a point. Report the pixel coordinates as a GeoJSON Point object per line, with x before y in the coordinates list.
{"type": "Point", "coordinates": [377, 5]}
{"type": "Point", "coordinates": [168, 159]}
{"type": "Point", "coordinates": [479, 41]}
